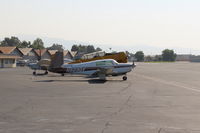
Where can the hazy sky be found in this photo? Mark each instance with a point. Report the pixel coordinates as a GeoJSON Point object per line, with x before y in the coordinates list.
{"type": "Point", "coordinates": [160, 23]}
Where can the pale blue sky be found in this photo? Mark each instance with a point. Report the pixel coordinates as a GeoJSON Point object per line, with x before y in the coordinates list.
{"type": "Point", "coordinates": [157, 23]}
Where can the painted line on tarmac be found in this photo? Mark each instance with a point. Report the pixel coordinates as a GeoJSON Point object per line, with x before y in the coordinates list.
{"type": "Point", "coordinates": [173, 83]}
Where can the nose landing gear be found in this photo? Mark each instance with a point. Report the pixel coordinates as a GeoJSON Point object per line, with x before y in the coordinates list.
{"type": "Point", "coordinates": [124, 77]}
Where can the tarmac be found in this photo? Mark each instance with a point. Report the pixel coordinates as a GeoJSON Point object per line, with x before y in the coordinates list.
{"type": "Point", "coordinates": [156, 98]}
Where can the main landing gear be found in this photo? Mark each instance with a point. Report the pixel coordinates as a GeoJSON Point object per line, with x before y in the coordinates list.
{"type": "Point", "coordinates": [124, 77]}
{"type": "Point", "coordinates": [34, 73]}
{"type": "Point", "coordinates": [45, 73]}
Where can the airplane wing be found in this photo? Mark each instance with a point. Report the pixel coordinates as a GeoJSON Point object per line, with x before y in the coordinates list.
{"type": "Point", "coordinates": [34, 66]}
{"type": "Point", "coordinates": [102, 72]}
{"type": "Point", "coordinates": [105, 70]}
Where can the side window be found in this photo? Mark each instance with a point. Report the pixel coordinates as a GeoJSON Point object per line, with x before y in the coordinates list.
{"type": "Point", "coordinates": [101, 63]}
{"type": "Point", "coordinates": [109, 63]}
{"type": "Point", "coordinates": [104, 63]}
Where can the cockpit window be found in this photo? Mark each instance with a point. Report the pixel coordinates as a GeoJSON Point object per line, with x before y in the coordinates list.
{"type": "Point", "coordinates": [109, 63]}
{"type": "Point", "coordinates": [104, 63]}
{"type": "Point", "coordinates": [100, 63]}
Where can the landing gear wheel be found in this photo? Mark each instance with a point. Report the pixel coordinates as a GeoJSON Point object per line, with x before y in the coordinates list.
{"type": "Point", "coordinates": [34, 73]}
{"type": "Point", "coordinates": [62, 74]}
{"type": "Point", "coordinates": [46, 73]}
{"type": "Point", "coordinates": [124, 78]}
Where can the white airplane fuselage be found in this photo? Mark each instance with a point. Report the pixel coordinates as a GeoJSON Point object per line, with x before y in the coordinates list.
{"type": "Point", "coordinates": [105, 66]}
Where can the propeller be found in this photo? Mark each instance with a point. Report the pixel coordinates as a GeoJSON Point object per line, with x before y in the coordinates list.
{"type": "Point", "coordinates": [133, 65]}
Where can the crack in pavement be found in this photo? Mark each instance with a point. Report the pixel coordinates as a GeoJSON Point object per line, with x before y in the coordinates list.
{"type": "Point", "coordinates": [106, 126]}
{"type": "Point", "coordinates": [125, 88]}
{"type": "Point", "coordinates": [108, 123]}
{"type": "Point", "coordinates": [123, 106]}
{"type": "Point", "coordinates": [159, 131]}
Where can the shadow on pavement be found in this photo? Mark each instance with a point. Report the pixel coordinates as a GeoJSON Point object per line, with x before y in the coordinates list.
{"type": "Point", "coordinates": [66, 75]}
{"type": "Point", "coordinates": [38, 74]}
{"type": "Point", "coordinates": [91, 81]}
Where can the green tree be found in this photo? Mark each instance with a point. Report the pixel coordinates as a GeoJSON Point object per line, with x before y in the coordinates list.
{"type": "Point", "coordinates": [85, 48]}
{"type": "Point", "coordinates": [158, 58]}
{"type": "Point", "coordinates": [148, 58]}
{"type": "Point", "coordinates": [139, 55]}
{"type": "Point", "coordinates": [56, 47]}
{"type": "Point", "coordinates": [82, 48]}
{"type": "Point", "coordinates": [24, 44]}
{"type": "Point", "coordinates": [13, 41]}
{"type": "Point", "coordinates": [98, 49]}
{"type": "Point", "coordinates": [37, 44]}
{"type": "Point", "coordinates": [90, 49]}
{"type": "Point", "coordinates": [74, 48]}
{"type": "Point", "coordinates": [168, 55]}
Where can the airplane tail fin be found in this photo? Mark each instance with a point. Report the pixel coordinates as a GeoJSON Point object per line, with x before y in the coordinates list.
{"type": "Point", "coordinates": [57, 60]}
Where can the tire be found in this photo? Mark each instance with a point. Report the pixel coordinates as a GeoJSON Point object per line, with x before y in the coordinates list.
{"type": "Point", "coordinates": [34, 73]}
{"type": "Point", "coordinates": [46, 73]}
{"type": "Point", "coordinates": [124, 78]}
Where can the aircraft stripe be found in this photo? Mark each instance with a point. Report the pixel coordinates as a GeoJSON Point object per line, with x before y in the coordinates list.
{"type": "Point", "coordinates": [96, 68]}
{"type": "Point", "coordinates": [64, 70]}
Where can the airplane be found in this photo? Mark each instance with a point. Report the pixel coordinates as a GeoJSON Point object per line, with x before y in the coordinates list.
{"type": "Point", "coordinates": [98, 68]}
{"type": "Point", "coordinates": [43, 64]}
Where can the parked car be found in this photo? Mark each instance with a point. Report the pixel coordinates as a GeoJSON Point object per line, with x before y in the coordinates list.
{"type": "Point", "coordinates": [22, 62]}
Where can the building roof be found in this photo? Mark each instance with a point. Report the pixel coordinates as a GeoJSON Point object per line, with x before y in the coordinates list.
{"type": "Point", "coordinates": [8, 56]}
{"type": "Point", "coordinates": [73, 53]}
{"type": "Point", "coordinates": [7, 50]}
{"type": "Point", "coordinates": [65, 52]}
{"type": "Point", "coordinates": [40, 51]}
{"type": "Point", "coordinates": [25, 51]}
{"type": "Point", "coordinates": [52, 52]}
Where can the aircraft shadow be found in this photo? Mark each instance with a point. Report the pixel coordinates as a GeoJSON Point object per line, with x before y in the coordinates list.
{"type": "Point", "coordinates": [91, 81]}
{"type": "Point", "coordinates": [66, 76]}
{"type": "Point", "coordinates": [56, 75]}
{"type": "Point", "coordinates": [38, 74]}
